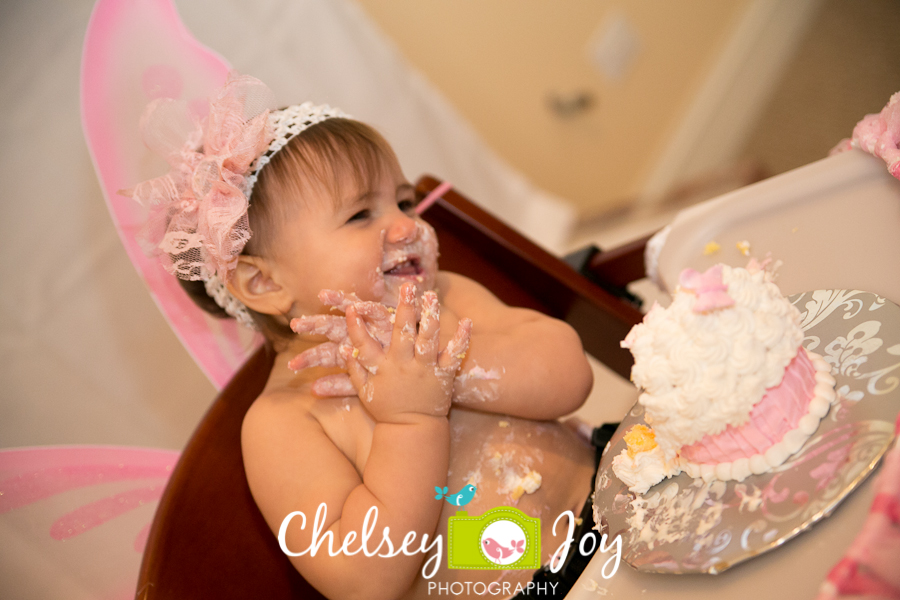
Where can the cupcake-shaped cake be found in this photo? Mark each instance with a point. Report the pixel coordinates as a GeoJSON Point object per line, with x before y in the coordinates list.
{"type": "Point", "coordinates": [727, 388]}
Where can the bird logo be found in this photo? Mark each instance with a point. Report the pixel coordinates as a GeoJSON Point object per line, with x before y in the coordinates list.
{"type": "Point", "coordinates": [499, 552]}
{"type": "Point", "coordinates": [460, 498]}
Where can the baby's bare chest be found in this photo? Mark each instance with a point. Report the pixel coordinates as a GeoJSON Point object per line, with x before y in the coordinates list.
{"type": "Point", "coordinates": [537, 466]}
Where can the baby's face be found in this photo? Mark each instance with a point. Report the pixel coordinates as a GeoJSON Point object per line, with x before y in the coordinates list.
{"type": "Point", "coordinates": [370, 242]}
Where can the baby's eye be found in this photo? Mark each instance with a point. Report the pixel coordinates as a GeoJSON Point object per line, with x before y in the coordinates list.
{"type": "Point", "coordinates": [360, 216]}
{"type": "Point", "coordinates": [406, 206]}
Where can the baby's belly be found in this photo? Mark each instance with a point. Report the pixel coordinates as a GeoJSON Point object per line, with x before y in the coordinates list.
{"type": "Point", "coordinates": [504, 458]}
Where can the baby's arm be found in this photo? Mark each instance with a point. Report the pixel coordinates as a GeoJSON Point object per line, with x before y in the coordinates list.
{"type": "Point", "coordinates": [524, 363]}
{"type": "Point", "coordinates": [292, 465]}
{"type": "Point", "coordinates": [520, 362]}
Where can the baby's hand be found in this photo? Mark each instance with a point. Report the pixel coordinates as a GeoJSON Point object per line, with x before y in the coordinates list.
{"type": "Point", "coordinates": [379, 321]}
{"type": "Point", "coordinates": [411, 376]}
{"type": "Point", "coordinates": [379, 318]}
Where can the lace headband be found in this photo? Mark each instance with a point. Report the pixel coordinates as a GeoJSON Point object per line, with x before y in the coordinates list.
{"type": "Point", "coordinates": [198, 222]}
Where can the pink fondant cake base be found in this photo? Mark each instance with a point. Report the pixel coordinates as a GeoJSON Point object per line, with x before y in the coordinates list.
{"type": "Point", "coordinates": [779, 412]}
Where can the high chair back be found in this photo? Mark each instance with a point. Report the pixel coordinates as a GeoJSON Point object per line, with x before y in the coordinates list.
{"type": "Point", "coordinates": [209, 540]}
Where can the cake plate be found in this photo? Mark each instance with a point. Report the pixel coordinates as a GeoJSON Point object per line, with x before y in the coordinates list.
{"type": "Point", "coordinates": [685, 525]}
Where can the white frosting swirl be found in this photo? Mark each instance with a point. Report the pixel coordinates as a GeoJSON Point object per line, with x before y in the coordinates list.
{"type": "Point", "coordinates": [644, 470]}
{"type": "Point", "coordinates": [701, 372]}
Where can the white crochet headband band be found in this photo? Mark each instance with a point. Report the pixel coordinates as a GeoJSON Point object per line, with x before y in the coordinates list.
{"type": "Point", "coordinates": [285, 124]}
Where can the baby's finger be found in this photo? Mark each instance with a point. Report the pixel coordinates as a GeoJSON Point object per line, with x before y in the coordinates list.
{"type": "Point", "coordinates": [373, 311]}
{"type": "Point", "coordinates": [370, 353]}
{"type": "Point", "coordinates": [331, 326]}
{"type": "Point", "coordinates": [452, 356]}
{"type": "Point", "coordinates": [333, 386]}
{"type": "Point", "coordinates": [338, 299]}
{"type": "Point", "coordinates": [379, 320]}
{"type": "Point", "coordinates": [359, 378]}
{"type": "Point", "coordinates": [404, 332]}
{"type": "Point", "coordinates": [323, 355]}
{"type": "Point", "coordinates": [429, 329]}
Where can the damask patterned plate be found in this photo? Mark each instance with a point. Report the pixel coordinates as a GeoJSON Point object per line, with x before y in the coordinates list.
{"type": "Point", "coordinates": [682, 525]}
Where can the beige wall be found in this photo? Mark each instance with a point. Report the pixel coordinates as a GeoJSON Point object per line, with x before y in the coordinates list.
{"type": "Point", "coordinates": [498, 60]}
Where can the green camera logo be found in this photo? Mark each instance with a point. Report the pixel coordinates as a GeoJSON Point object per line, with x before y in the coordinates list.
{"type": "Point", "coordinates": [501, 538]}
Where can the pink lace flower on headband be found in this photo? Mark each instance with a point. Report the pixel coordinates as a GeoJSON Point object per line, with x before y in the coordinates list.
{"type": "Point", "coordinates": [198, 211]}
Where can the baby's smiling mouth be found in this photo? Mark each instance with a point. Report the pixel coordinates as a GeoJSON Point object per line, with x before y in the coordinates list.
{"type": "Point", "coordinates": [410, 267]}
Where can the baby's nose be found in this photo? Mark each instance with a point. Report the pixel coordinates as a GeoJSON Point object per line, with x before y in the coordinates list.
{"type": "Point", "coordinates": [402, 230]}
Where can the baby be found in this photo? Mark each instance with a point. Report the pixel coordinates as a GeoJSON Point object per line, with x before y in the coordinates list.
{"type": "Point", "coordinates": [391, 378]}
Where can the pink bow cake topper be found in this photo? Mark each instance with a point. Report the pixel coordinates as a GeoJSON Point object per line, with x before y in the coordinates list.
{"type": "Point", "coordinates": [711, 291]}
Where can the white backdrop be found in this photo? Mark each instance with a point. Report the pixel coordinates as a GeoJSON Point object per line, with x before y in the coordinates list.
{"type": "Point", "coordinates": [86, 356]}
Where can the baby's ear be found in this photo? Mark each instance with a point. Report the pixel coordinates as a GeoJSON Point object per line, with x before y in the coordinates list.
{"type": "Point", "coordinates": [252, 284]}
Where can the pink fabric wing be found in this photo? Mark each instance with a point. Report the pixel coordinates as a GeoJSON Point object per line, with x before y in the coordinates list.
{"type": "Point", "coordinates": [85, 511]}
{"type": "Point", "coordinates": [136, 51]}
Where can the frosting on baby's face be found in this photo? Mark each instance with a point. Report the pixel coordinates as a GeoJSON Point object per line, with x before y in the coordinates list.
{"type": "Point", "coordinates": [369, 242]}
{"type": "Point", "coordinates": [411, 260]}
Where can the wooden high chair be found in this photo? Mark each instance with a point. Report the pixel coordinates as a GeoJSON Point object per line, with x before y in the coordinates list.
{"type": "Point", "coordinates": [208, 539]}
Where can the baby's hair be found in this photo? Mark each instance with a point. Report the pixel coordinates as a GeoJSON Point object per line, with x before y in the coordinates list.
{"type": "Point", "coordinates": [320, 157]}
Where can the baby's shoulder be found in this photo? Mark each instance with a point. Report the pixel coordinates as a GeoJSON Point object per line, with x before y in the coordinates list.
{"type": "Point", "coordinates": [459, 292]}
{"type": "Point", "coordinates": [451, 283]}
{"type": "Point", "coordinates": [274, 412]}
{"type": "Point", "coordinates": [468, 298]}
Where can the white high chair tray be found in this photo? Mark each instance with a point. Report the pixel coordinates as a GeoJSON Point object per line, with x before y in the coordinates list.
{"type": "Point", "coordinates": [835, 224]}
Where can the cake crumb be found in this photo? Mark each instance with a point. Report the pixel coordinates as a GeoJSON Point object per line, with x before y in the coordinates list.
{"type": "Point", "coordinates": [711, 248]}
{"type": "Point", "coordinates": [743, 247]}
{"type": "Point", "coordinates": [528, 484]}
{"type": "Point", "coordinates": [639, 438]}
{"type": "Point", "coordinates": [795, 230]}
{"type": "Point", "coordinates": [504, 423]}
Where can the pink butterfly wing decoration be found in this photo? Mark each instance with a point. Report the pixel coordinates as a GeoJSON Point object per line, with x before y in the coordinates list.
{"type": "Point", "coordinates": [136, 51]}
{"type": "Point", "coordinates": [85, 510]}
